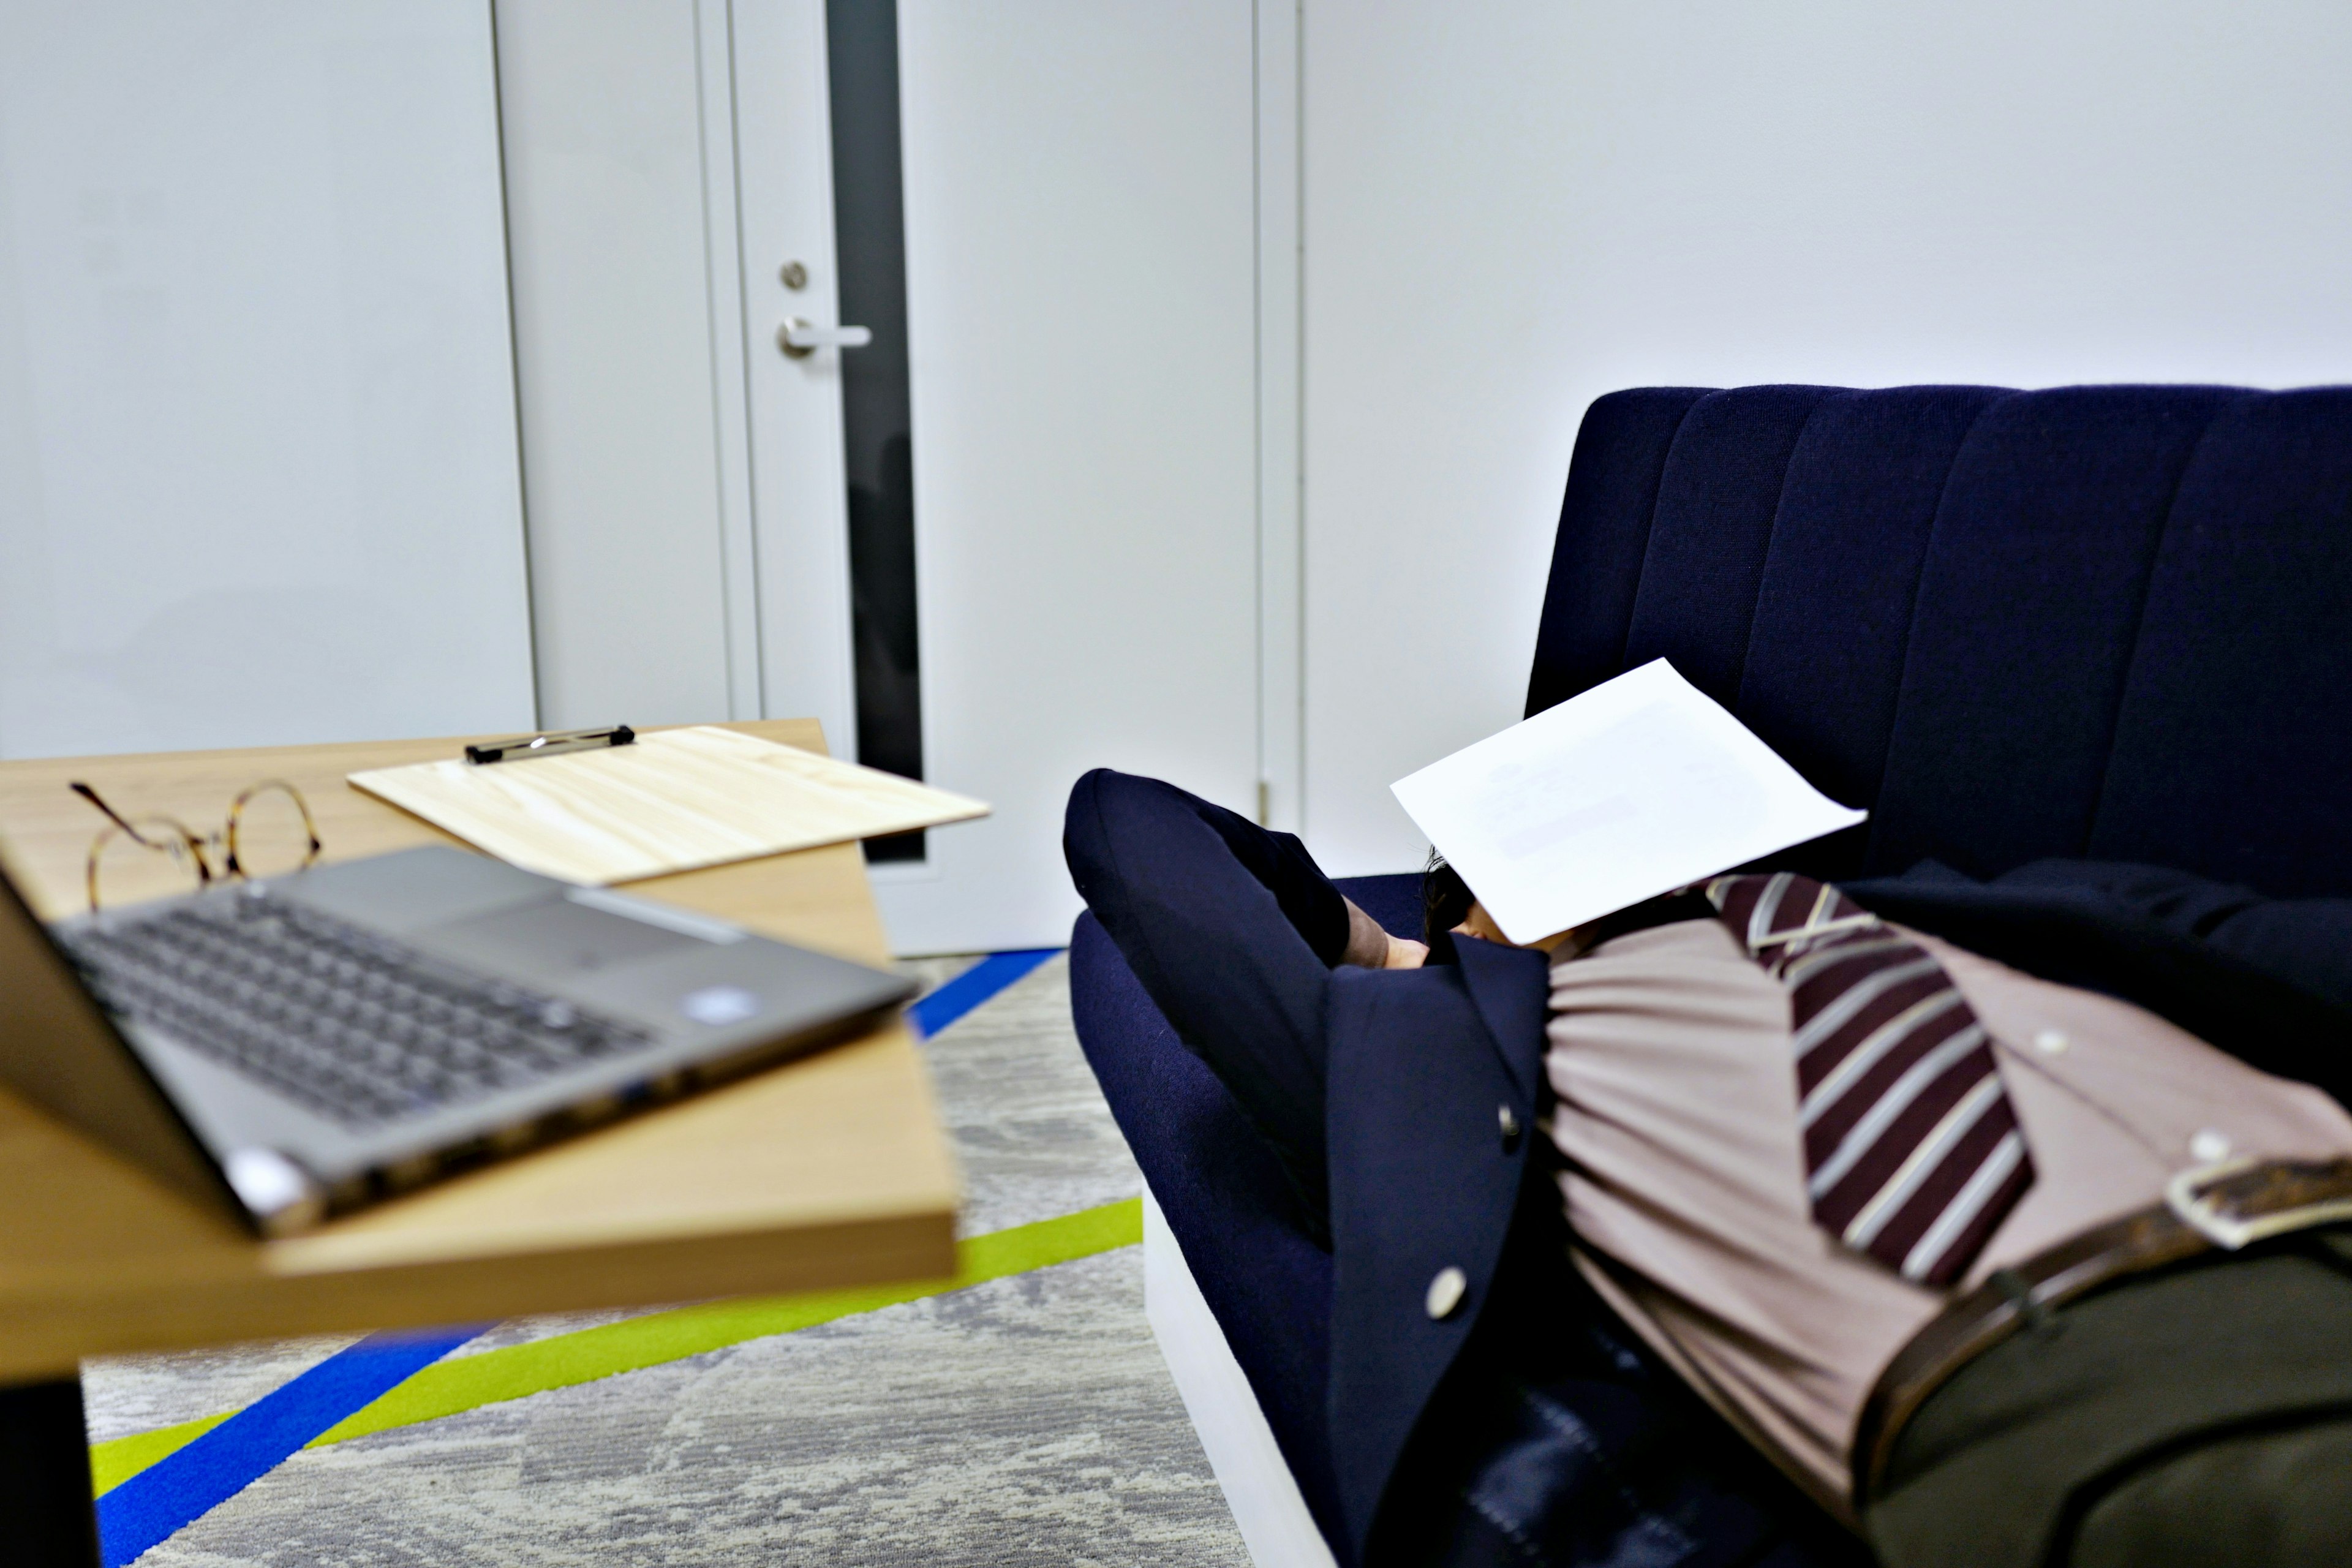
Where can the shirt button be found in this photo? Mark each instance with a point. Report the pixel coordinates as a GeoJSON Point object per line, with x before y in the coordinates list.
{"type": "Point", "coordinates": [1446, 1293]}
{"type": "Point", "coordinates": [2049, 1042]}
{"type": "Point", "coordinates": [2209, 1146]}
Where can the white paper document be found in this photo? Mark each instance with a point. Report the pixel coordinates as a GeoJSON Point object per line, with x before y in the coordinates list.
{"type": "Point", "coordinates": [1630, 790]}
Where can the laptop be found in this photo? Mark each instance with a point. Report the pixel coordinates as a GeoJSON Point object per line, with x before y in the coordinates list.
{"type": "Point", "coordinates": [300, 1046]}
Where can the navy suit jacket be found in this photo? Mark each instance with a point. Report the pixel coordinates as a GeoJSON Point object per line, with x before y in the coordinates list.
{"type": "Point", "coordinates": [1423, 1062]}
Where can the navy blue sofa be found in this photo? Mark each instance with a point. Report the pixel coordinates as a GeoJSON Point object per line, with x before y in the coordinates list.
{"type": "Point", "coordinates": [2110, 624]}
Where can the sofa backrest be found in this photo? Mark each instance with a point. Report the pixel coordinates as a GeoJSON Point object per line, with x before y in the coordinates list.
{"type": "Point", "coordinates": [2107, 622]}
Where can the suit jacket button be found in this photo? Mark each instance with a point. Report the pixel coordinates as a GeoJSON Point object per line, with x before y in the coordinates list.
{"type": "Point", "coordinates": [1446, 1293]}
{"type": "Point", "coordinates": [1508, 1121]}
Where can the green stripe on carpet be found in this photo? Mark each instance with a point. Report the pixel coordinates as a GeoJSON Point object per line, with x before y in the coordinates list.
{"type": "Point", "coordinates": [562, 1361]}
{"type": "Point", "coordinates": [115, 1462]}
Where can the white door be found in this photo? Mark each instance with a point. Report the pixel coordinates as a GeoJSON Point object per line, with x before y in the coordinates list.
{"type": "Point", "coordinates": [800, 513]}
{"type": "Point", "coordinates": [1081, 218]}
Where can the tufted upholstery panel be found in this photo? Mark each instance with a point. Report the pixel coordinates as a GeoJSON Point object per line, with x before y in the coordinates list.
{"type": "Point", "coordinates": [2104, 621]}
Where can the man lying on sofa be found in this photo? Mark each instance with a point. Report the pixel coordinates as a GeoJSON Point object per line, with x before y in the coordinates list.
{"type": "Point", "coordinates": [1941, 1222]}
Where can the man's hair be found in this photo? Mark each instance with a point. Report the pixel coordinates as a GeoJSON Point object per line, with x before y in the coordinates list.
{"type": "Point", "coordinates": [1445, 901]}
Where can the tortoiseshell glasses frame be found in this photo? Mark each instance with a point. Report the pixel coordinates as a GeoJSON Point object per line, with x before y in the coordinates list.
{"type": "Point", "coordinates": [170, 835]}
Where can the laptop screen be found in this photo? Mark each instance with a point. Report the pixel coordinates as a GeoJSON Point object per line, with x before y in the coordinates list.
{"type": "Point", "coordinates": [57, 1050]}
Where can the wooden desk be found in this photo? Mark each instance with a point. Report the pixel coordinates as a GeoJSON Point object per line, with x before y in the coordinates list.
{"type": "Point", "coordinates": [828, 1172]}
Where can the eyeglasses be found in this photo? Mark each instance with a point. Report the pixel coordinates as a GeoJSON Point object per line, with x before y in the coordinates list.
{"type": "Point", "coordinates": [155, 854]}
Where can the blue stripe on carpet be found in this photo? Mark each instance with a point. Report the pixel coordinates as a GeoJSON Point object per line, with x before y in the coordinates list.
{"type": "Point", "coordinates": [973, 986]}
{"type": "Point", "coordinates": [149, 1506]}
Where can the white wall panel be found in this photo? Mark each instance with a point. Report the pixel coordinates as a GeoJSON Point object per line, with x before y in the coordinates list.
{"type": "Point", "coordinates": [1515, 205]}
{"type": "Point", "coordinates": [619, 356]}
{"type": "Point", "coordinates": [1081, 293]}
{"type": "Point", "coordinates": [257, 463]}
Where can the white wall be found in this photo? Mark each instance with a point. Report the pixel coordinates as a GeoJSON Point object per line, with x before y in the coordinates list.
{"type": "Point", "coordinates": [258, 473]}
{"type": "Point", "coordinates": [1515, 206]}
{"type": "Point", "coordinates": [1081, 279]}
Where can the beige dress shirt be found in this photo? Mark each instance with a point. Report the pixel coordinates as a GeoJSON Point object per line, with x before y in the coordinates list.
{"type": "Point", "coordinates": [1684, 1168]}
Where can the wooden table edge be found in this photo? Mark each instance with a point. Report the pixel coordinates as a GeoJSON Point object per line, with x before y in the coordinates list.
{"type": "Point", "coordinates": [49, 1337]}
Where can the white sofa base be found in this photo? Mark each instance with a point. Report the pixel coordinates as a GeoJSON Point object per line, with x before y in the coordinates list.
{"type": "Point", "coordinates": [1264, 1499]}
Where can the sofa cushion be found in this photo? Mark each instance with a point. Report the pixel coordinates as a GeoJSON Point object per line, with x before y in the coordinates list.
{"type": "Point", "coordinates": [1225, 1201]}
{"type": "Point", "coordinates": [2232, 750]}
{"type": "Point", "coordinates": [2028, 602]}
{"type": "Point", "coordinates": [2090, 622]}
{"type": "Point", "coordinates": [1824, 668]}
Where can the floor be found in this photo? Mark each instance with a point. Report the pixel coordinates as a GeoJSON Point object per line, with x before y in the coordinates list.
{"type": "Point", "coordinates": [1024, 1420]}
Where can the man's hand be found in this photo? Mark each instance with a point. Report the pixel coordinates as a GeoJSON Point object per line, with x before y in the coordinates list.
{"type": "Point", "coordinates": [1406, 954]}
{"type": "Point", "coordinates": [1373, 948]}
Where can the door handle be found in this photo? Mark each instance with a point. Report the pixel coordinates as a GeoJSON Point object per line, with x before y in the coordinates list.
{"type": "Point", "coordinates": [800, 340]}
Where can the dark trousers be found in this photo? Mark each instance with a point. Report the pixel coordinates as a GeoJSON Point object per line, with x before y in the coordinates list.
{"type": "Point", "coordinates": [2199, 1417]}
{"type": "Point", "coordinates": [1558, 1441]}
{"type": "Point", "coordinates": [1235, 932]}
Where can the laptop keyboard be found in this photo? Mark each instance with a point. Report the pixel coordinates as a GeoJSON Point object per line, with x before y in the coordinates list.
{"type": "Point", "coordinates": [349, 1023]}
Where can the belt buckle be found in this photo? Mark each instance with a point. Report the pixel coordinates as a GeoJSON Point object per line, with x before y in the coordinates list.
{"type": "Point", "coordinates": [2263, 1207]}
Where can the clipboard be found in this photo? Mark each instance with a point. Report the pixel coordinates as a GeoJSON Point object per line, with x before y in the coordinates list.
{"type": "Point", "coordinates": [674, 800]}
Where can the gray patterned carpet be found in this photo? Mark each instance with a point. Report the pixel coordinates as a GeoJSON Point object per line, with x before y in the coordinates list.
{"type": "Point", "coordinates": [1027, 1420]}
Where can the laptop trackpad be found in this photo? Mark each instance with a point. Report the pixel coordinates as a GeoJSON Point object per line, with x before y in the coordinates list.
{"type": "Point", "coordinates": [556, 939]}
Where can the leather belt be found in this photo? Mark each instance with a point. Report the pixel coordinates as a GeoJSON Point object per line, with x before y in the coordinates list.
{"type": "Point", "coordinates": [2222, 1207]}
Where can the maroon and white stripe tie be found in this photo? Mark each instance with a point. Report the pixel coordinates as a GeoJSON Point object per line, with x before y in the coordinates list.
{"type": "Point", "coordinates": [1913, 1153]}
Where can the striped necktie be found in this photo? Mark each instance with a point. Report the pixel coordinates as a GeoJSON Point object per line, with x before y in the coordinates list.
{"type": "Point", "coordinates": [1913, 1153]}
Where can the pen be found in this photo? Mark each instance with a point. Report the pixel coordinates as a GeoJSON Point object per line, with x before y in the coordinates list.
{"type": "Point", "coordinates": [524, 747]}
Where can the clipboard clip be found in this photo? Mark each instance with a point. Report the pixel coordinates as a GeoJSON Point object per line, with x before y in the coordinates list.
{"type": "Point", "coordinates": [522, 748]}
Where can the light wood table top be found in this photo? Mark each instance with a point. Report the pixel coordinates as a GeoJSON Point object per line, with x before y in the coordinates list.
{"type": "Point", "coordinates": [830, 1170]}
